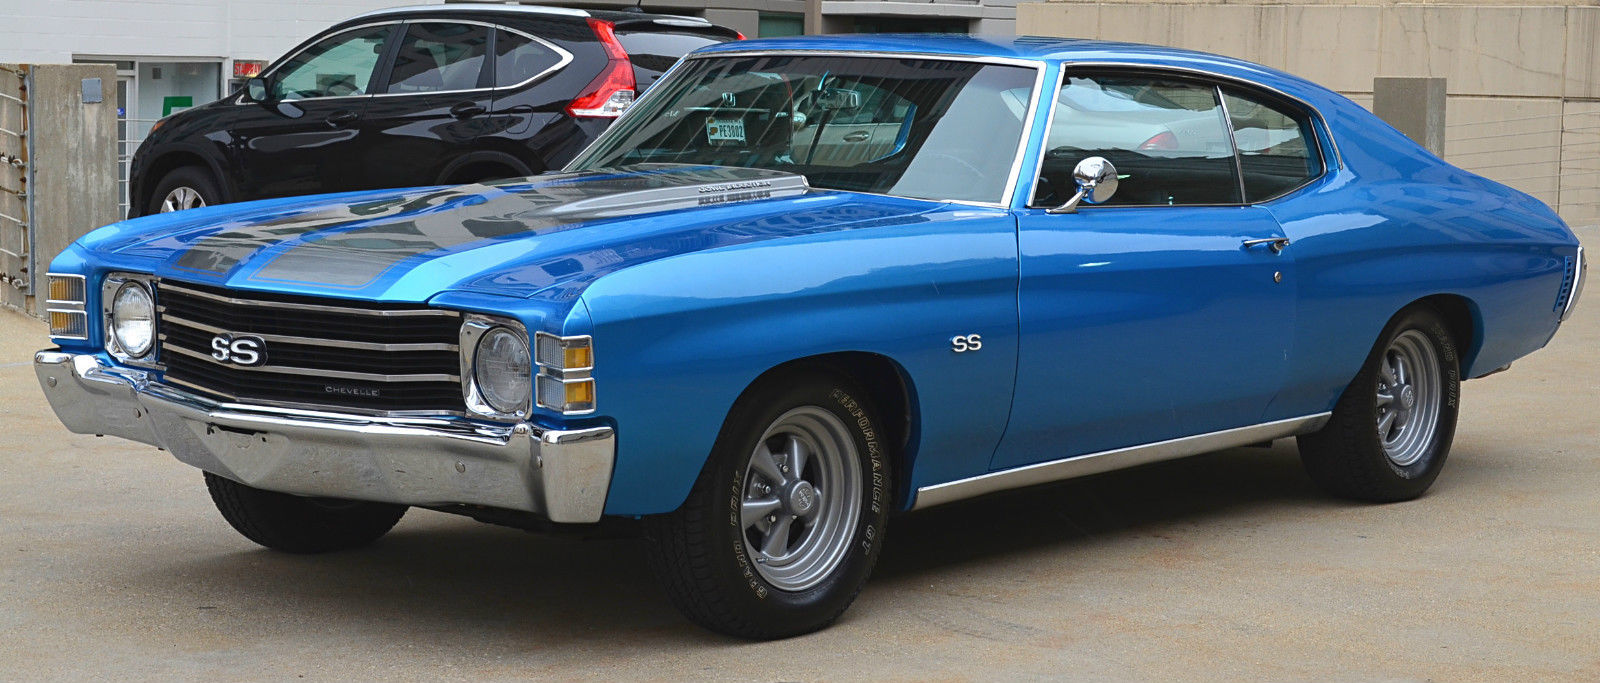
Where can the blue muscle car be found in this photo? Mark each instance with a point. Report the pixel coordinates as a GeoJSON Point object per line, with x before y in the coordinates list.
{"type": "Point", "coordinates": [805, 283]}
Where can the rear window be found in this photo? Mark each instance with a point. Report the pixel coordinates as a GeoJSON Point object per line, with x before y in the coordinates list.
{"type": "Point", "coordinates": [518, 59]}
{"type": "Point", "coordinates": [653, 52]}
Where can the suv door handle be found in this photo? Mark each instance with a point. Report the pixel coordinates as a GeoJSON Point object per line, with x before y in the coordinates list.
{"type": "Point", "coordinates": [466, 110]}
{"type": "Point", "coordinates": [1276, 244]}
{"type": "Point", "coordinates": [340, 118]}
{"type": "Point", "coordinates": [858, 136]}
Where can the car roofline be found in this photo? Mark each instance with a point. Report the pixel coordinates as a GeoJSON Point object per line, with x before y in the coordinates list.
{"type": "Point", "coordinates": [472, 7]}
{"type": "Point", "coordinates": [618, 16]}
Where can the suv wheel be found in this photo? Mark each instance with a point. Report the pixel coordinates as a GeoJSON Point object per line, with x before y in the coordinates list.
{"type": "Point", "coordinates": [185, 187]}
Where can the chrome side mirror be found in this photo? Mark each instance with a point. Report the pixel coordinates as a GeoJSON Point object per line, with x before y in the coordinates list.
{"type": "Point", "coordinates": [1096, 179]}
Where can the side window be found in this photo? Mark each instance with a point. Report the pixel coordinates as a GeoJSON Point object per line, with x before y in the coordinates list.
{"type": "Point", "coordinates": [337, 66]}
{"type": "Point", "coordinates": [1168, 140]}
{"type": "Point", "coordinates": [518, 58]}
{"type": "Point", "coordinates": [438, 56]}
{"type": "Point", "coordinates": [1277, 149]}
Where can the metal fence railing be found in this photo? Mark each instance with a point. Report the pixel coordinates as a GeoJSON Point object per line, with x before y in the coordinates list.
{"type": "Point", "coordinates": [16, 155]}
{"type": "Point", "coordinates": [130, 133]}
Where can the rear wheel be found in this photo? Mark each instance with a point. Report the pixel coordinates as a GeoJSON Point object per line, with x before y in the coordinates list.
{"type": "Point", "coordinates": [297, 524]}
{"type": "Point", "coordinates": [1391, 430]}
{"type": "Point", "coordinates": [783, 527]}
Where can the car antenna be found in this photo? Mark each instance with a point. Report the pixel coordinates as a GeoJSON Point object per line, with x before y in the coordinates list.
{"type": "Point", "coordinates": [635, 8]}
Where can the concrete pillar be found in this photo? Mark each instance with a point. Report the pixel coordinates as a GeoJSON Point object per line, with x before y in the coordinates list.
{"type": "Point", "coordinates": [1413, 105]}
{"type": "Point", "coordinates": [72, 161]}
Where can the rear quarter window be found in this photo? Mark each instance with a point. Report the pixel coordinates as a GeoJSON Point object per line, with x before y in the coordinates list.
{"type": "Point", "coordinates": [653, 52]}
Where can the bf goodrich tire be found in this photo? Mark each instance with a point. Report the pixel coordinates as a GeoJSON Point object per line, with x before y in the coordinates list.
{"type": "Point", "coordinates": [785, 522]}
{"type": "Point", "coordinates": [297, 524]}
{"type": "Point", "coordinates": [1391, 429]}
{"type": "Point", "coordinates": [185, 187]}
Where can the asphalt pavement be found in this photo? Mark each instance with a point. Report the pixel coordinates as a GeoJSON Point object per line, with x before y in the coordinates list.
{"type": "Point", "coordinates": [1227, 567]}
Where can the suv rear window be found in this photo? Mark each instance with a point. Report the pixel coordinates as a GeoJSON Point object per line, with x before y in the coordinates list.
{"type": "Point", "coordinates": [653, 52]}
{"type": "Point", "coordinates": [518, 58]}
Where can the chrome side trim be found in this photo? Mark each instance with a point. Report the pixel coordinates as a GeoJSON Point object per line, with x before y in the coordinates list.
{"type": "Point", "coordinates": [168, 285]}
{"type": "Point", "coordinates": [1106, 461]}
{"type": "Point", "coordinates": [309, 341]}
{"type": "Point", "coordinates": [316, 372]}
{"type": "Point", "coordinates": [1579, 270]}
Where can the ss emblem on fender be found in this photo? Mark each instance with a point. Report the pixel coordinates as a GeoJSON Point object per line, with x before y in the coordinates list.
{"type": "Point", "coordinates": [963, 343]}
{"type": "Point", "coordinates": [239, 349]}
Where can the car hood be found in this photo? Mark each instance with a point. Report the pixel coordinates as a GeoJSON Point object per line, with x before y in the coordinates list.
{"type": "Point", "coordinates": [548, 235]}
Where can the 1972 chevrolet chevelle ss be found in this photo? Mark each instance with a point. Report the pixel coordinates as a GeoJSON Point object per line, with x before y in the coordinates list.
{"type": "Point", "coordinates": [805, 283]}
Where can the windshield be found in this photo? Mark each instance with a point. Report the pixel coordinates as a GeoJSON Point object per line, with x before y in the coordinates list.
{"type": "Point", "coordinates": [922, 128]}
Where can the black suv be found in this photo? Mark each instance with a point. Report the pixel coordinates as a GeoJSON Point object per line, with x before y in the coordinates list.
{"type": "Point", "coordinates": [413, 96]}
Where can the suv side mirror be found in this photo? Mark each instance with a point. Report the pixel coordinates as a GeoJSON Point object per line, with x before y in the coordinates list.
{"type": "Point", "coordinates": [255, 89]}
{"type": "Point", "coordinates": [1096, 179]}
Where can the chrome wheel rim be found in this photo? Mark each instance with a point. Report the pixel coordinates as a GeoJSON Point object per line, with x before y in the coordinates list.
{"type": "Point", "coordinates": [1409, 391]}
{"type": "Point", "coordinates": [802, 493]}
{"type": "Point", "coordinates": [180, 198]}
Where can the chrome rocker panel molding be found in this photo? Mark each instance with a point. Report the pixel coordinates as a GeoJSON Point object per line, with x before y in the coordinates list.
{"type": "Point", "coordinates": [561, 474]}
{"type": "Point", "coordinates": [1106, 461]}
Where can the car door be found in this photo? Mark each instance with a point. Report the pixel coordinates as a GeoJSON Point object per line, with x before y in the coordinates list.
{"type": "Point", "coordinates": [1159, 314]}
{"type": "Point", "coordinates": [303, 138]}
{"type": "Point", "coordinates": [432, 108]}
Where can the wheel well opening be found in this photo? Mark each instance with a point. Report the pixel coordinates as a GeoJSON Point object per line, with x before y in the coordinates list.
{"type": "Point", "coordinates": [891, 394]}
{"type": "Point", "coordinates": [1461, 322]}
{"type": "Point", "coordinates": [160, 168]}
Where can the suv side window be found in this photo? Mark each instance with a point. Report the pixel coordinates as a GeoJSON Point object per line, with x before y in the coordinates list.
{"type": "Point", "coordinates": [518, 58]}
{"type": "Point", "coordinates": [1277, 149]}
{"type": "Point", "coordinates": [337, 66]}
{"type": "Point", "coordinates": [1168, 139]}
{"type": "Point", "coordinates": [440, 57]}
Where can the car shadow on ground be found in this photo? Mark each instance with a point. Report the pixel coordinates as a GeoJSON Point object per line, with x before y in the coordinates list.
{"type": "Point", "coordinates": [480, 585]}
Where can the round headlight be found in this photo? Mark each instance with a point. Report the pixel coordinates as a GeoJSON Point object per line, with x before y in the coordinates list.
{"type": "Point", "coordinates": [133, 319]}
{"type": "Point", "coordinates": [503, 370]}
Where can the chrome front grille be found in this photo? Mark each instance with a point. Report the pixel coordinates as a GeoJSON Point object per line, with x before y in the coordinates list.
{"type": "Point", "coordinates": [318, 352]}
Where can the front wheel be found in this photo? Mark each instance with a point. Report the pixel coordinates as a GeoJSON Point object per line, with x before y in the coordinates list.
{"type": "Point", "coordinates": [185, 187]}
{"type": "Point", "coordinates": [783, 527]}
{"type": "Point", "coordinates": [1392, 428]}
{"type": "Point", "coordinates": [297, 524]}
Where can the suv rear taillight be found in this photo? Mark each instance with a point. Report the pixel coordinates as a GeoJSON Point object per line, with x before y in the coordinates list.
{"type": "Point", "coordinates": [612, 91]}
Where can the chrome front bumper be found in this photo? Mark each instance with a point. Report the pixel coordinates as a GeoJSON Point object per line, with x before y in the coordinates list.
{"type": "Point", "coordinates": [563, 475]}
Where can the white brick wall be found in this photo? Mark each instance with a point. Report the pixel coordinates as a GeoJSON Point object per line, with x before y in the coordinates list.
{"type": "Point", "coordinates": [54, 31]}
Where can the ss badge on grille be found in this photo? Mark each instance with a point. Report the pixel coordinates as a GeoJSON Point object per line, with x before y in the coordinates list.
{"type": "Point", "coordinates": [239, 349]}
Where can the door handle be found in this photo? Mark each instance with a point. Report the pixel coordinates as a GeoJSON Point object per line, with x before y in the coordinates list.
{"type": "Point", "coordinates": [858, 136]}
{"type": "Point", "coordinates": [1276, 244]}
{"type": "Point", "coordinates": [466, 110]}
{"type": "Point", "coordinates": [340, 118]}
